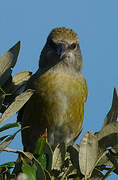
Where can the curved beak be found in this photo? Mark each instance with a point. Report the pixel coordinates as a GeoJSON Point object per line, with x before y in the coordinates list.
{"type": "Point", "coordinates": [61, 49]}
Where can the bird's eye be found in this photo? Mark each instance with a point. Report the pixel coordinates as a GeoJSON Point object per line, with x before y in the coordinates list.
{"type": "Point", "coordinates": [52, 44]}
{"type": "Point", "coordinates": [73, 46]}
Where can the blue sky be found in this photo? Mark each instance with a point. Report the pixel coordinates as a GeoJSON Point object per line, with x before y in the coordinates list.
{"type": "Point", "coordinates": [96, 23]}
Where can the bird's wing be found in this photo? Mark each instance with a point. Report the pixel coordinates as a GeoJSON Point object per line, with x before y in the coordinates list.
{"type": "Point", "coordinates": [28, 86]}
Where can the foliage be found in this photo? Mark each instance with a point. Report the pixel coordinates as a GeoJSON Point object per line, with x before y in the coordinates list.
{"type": "Point", "coordinates": [96, 153]}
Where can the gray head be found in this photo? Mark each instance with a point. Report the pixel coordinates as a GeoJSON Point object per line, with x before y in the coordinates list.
{"type": "Point", "coordinates": [61, 49]}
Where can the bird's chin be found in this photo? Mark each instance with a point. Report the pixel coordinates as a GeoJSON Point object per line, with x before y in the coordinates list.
{"type": "Point", "coordinates": [68, 57]}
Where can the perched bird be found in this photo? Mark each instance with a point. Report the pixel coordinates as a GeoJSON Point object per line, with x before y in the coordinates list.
{"type": "Point", "coordinates": [60, 92]}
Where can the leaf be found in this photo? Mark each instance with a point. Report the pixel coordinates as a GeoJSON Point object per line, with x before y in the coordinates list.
{"type": "Point", "coordinates": [72, 172]}
{"type": "Point", "coordinates": [113, 158]}
{"type": "Point", "coordinates": [108, 135]}
{"type": "Point", "coordinates": [7, 141]}
{"type": "Point", "coordinates": [39, 149]}
{"type": "Point", "coordinates": [40, 174]}
{"type": "Point", "coordinates": [9, 164]}
{"type": "Point", "coordinates": [27, 155]}
{"type": "Point", "coordinates": [103, 159]}
{"type": "Point", "coordinates": [3, 137]}
{"type": "Point", "coordinates": [49, 153]}
{"type": "Point", "coordinates": [42, 159]}
{"type": "Point", "coordinates": [8, 126]}
{"type": "Point", "coordinates": [21, 77]}
{"type": "Point", "coordinates": [22, 176]}
{"type": "Point", "coordinates": [112, 115]}
{"type": "Point", "coordinates": [48, 177]}
{"type": "Point", "coordinates": [2, 98]}
{"type": "Point", "coordinates": [18, 83]}
{"type": "Point", "coordinates": [30, 172]}
{"type": "Point", "coordinates": [17, 104]}
{"type": "Point", "coordinates": [108, 173]}
{"type": "Point", "coordinates": [7, 62]}
{"type": "Point", "coordinates": [58, 157]}
{"type": "Point", "coordinates": [39, 152]}
{"type": "Point", "coordinates": [88, 153]}
{"type": "Point", "coordinates": [74, 156]}
{"type": "Point", "coordinates": [96, 175]}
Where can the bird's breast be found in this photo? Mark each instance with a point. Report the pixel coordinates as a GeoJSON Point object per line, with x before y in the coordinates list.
{"type": "Point", "coordinates": [61, 98]}
{"type": "Point", "coordinates": [57, 105]}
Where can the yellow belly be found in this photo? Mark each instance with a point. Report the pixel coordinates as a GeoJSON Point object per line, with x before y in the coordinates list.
{"type": "Point", "coordinates": [58, 105]}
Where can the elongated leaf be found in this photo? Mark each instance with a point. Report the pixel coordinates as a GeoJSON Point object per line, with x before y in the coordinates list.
{"type": "Point", "coordinates": [8, 126]}
{"type": "Point", "coordinates": [112, 115]}
{"type": "Point", "coordinates": [58, 156]}
{"type": "Point", "coordinates": [113, 158]}
{"type": "Point", "coordinates": [9, 164]}
{"type": "Point", "coordinates": [48, 177]}
{"type": "Point", "coordinates": [17, 83]}
{"type": "Point", "coordinates": [40, 145]}
{"type": "Point", "coordinates": [49, 153]}
{"type": "Point", "coordinates": [74, 156]}
{"type": "Point", "coordinates": [40, 174]}
{"type": "Point", "coordinates": [4, 144]}
{"type": "Point", "coordinates": [108, 135]}
{"type": "Point", "coordinates": [17, 104]}
{"type": "Point", "coordinates": [96, 175]}
{"type": "Point", "coordinates": [27, 155]}
{"type": "Point", "coordinates": [43, 160]}
{"type": "Point", "coordinates": [21, 77]}
{"type": "Point", "coordinates": [103, 159]}
{"type": "Point", "coordinates": [8, 61]}
{"type": "Point", "coordinates": [3, 137]}
{"type": "Point", "coordinates": [88, 153]}
{"type": "Point", "coordinates": [2, 97]}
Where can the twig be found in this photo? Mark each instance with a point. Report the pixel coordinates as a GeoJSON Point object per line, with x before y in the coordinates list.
{"type": "Point", "coordinates": [12, 150]}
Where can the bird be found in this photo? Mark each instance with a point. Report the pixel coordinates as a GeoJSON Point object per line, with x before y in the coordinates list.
{"type": "Point", "coordinates": [60, 91]}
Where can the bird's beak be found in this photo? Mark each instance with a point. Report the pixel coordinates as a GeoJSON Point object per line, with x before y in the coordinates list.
{"type": "Point", "coordinates": [61, 49]}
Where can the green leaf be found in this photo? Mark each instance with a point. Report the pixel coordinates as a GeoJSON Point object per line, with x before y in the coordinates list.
{"type": "Point", "coordinates": [8, 126]}
{"type": "Point", "coordinates": [40, 174]}
{"type": "Point", "coordinates": [39, 152]}
{"type": "Point", "coordinates": [40, 145]}
{"type": "Point", "coordinates": [30, 172]}
{"type": "Point", "coordinates": [49, 153]}
{"type": "Point", "coordinates": [7, 62]}
{"type": "Point", "coordinates": [43, 160]}
{"type": "Point", "coordinates": [9, 164]}
{"type": "Point", "coordinates": [74, 156]}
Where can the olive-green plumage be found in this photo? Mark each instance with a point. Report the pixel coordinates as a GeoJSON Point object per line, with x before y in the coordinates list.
{"type": "Point", "coordinates": [60, 92]}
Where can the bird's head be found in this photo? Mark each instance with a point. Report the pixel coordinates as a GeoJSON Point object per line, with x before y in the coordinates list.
{"type": "Point", "coordinates": [62, 47]}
